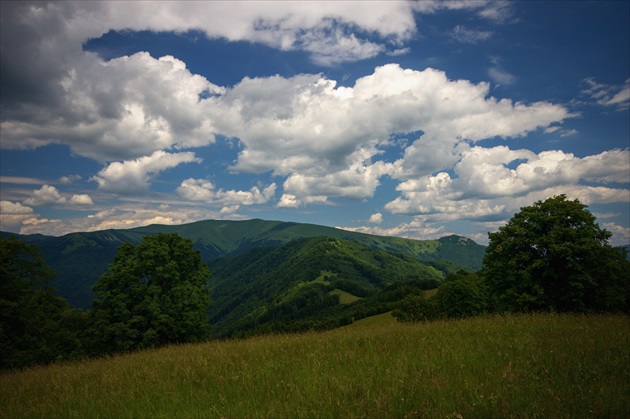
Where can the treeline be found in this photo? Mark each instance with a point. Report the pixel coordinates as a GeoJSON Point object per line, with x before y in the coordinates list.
{"type": "Point", "coordinates": [35, 325]}
{"type": "Point", "coordinates": [550, 257]}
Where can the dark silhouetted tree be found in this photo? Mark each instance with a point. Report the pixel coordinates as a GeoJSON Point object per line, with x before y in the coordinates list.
{"type": "Point", "coordinates": [36, 327]}
{"type": "Point", "coordinates": [554, 256]}
{"type": "Point", "coordinates": [462, 294]}
{"type": "Point", "coordinates": [153, 294]}
{"type": "Point", "coordinates": [416, 308]}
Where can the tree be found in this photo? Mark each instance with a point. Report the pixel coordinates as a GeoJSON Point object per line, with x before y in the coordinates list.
{"type": "Point", "coordinates": [416, 308]}
{"type": "Point", "coordinates": [35, 326]}
{"type": "Point", "coordinates": [462, 294]}
{"type": "Point", "coordinates": [153, 294]}
{"type": "Point", "coordinates": [554, 256]}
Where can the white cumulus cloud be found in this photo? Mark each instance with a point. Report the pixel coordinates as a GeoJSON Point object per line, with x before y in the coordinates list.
{"type": "Point", "coordinates": [46, 195]}
{"type": "Point", "coordinates": [492, 183]}
{"type": "Point", "coordinates": [231, 200]}
{"type": "Point", "coordinates": [50, 195]}
{"type": "Point", "coordinates": [13, 214]}
{"type": "Point", "coordinates": [376, 218]}
{"type": "Point", "coordinates": [307, 126]}
{"type": "Point", "coordinates": [134, 176]}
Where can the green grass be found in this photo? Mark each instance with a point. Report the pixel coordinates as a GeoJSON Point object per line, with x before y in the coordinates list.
{"type": "Point", "coordinates": [505, 366]}
{"type": "Point", "coordinates": [320, 279]}
{"type": "Point", "coordinates": [344, 296]}
{"type": "Point", "coordinates": [379, 320]}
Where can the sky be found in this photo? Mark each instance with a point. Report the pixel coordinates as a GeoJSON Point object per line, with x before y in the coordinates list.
{"type": "Point", "coordinates": [411, 119]}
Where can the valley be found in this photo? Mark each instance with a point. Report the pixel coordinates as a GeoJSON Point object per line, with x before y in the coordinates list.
{"type": "Point", "coordinates": [265, 273]}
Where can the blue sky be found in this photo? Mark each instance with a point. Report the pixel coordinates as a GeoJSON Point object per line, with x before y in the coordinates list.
{"type": "Point", "coordinates": [412, 119]}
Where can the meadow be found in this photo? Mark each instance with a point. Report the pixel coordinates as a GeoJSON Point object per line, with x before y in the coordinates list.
{"type": "Point", "coordinates": [542, 365]}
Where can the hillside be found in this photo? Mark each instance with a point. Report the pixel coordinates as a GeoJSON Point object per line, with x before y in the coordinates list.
{"type": "Point", "coordinates": [298, 285]}
{"type": "Point", "coordinates": [81, 258]}
{"type": "Point", "coordinates": [525, 366]}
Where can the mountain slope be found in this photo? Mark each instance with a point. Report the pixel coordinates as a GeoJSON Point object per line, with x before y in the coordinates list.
{"type": "Point", "coordinates": [81, 258]}
{"type": "Point", "coordinates": [301, 280]}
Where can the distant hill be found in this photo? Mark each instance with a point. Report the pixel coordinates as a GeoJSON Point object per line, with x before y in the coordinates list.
{"type": "Point", "coordinates": [81, 258]}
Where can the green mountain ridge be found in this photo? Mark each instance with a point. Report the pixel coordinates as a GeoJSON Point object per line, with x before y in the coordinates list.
{"type": "Point", "coordinates": [81, 258]}
{"type": "Point", "coordinates": [295, 286]}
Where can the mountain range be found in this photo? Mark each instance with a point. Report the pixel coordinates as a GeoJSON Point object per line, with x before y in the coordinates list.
{"type": "Point", "coordinates": [267, 273]}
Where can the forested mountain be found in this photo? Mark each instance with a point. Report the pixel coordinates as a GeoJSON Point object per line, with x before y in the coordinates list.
{"type": "Point", "coordinates": [81, 258]}
{"type": "Point", "coordinates": [291, 285]}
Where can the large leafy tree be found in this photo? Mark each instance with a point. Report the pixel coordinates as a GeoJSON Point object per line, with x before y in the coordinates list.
{"type": "Point", "coordinates": [554, 256]}
{"type": "Point", "coordinates": [35, 325]}
{"type": "Point", "coordinates": [153, 294]}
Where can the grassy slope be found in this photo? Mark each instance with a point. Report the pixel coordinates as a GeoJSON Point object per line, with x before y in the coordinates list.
{"type": "Point", "coordinates": [344, 296]}
{"type": "Point", "coordinates": [511, 366]}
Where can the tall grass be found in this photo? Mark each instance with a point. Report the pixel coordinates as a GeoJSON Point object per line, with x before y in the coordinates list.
{"type": "Point", "coordinates": [504, 366]}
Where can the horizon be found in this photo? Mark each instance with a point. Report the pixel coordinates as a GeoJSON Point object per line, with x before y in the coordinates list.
{"type": "Point", "coordinates": [624, 245]}
{"type": "Point", "coordinates": [238, 221]}
{"type": "Point", "coordinates": [400, 119]}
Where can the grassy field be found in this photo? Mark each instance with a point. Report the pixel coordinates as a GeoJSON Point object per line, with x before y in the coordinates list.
{"type": "Point", "coordinates": [505, 366]}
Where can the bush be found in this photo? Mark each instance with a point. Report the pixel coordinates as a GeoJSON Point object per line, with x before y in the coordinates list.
{"type": "Point", "coordinates": [416, 308]}
{"type": "Point", "coordinates": [463, 297]}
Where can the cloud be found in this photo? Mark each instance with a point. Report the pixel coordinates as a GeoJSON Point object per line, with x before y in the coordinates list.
{"type": "Point", "coordinates": [431, 211]}
{"type": "Point", "coordinates": [501, 77]}
{"type": "Point", "coordinates": [415, 229]}
{"type": "Point", "coordinates": [81, 199]}
{"type": "Point", "coordinates": [46, 195]}
{"type": "Point", "coordinates": [608, 95]}
{"type": "Point", "coordinates": [357, 182]}
{"type": "Point", "coordinates": [69, 179]}
{"type": "Point", "coordinates": [486, 187]}
{"type": "Point", "coordinates": [290, 201]}
{"type": "Point", "coordinates": [49, 195]}
{"type": "Point", "coordinates": [325, 141]}
{"type": "Point", "coordinates": [124, 108]}
{"type": "Point", "coordinates": [497, 11]}
{"type": "Point", "coordinates": [12, 214]}
{"type": "Point", "coordinates": [376, 218]}
{"type": "Point", "coordinates": [103, 220]}
{"type": "Point", "coordinates": [124, 216]}
{"type": "Point", "coordinates": [134, 176]}
{"type": "Point", "coordinates": [231, 200]}
{"type": "Point", "coordinates": [307, 127]}
{"type": "Point", "coordinates": [44, 40]}
{"type": "Point", "coordinates": [469, 36]}
{"type": "Point", "coordinates": [620, 234]}
{"type": "Point", "coordinates": [331, 32]}
{"type": "Point", "coordinates": [399, 52]}
{"type": "Point", "coordinates": [330, 44]}
{"type": "Point", "coordinates": [19, 180]}
{"type": "Point", "coordinates": [129, 107]}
